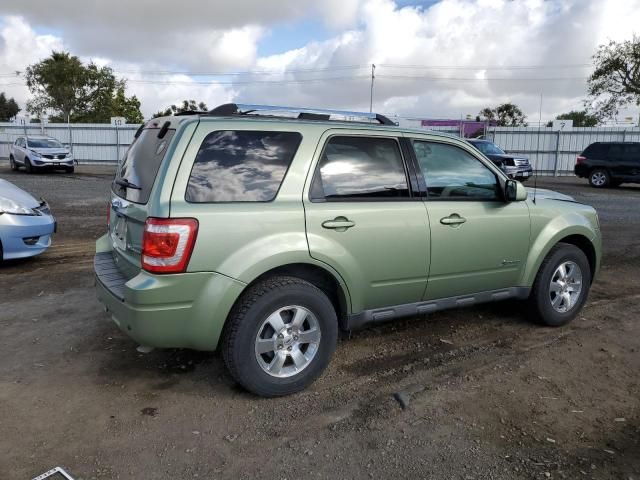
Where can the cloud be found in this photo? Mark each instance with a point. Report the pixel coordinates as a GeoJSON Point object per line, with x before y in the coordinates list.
{"type": "Point", "coordinates": [19, 47]}
{"type": "Point", "coordinates": [468, 44]}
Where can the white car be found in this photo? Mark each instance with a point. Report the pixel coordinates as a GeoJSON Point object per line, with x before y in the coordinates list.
{"type": "Point", "coordinates": [35, 152]}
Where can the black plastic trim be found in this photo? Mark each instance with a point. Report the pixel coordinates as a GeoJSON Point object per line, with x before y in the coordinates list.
{"type": "Point", "coordinates": [108, 274]}
{"type": "Point", "coordinates": [366, 317]}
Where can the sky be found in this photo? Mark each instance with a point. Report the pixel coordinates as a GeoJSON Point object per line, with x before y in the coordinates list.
{"type": "Point", "coordinates": [434, 58]}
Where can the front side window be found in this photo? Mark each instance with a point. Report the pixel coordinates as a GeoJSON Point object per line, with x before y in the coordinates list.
{"type": "Point", "coordinates": [453, 174]}
{"type": "Point", "coordinates": [354, 168]}
{"type": "Point", "coordinates": [632, 152]}
{"type": "Point", "coordinates": [241, 166]}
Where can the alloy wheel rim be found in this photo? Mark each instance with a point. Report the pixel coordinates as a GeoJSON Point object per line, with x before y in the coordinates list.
{"type": "Point", "coordinates": [287, 341]}
{"type": "Point", "coordinates": [565, 286]}
{"type": "Point", "coordinates": [598, 178]}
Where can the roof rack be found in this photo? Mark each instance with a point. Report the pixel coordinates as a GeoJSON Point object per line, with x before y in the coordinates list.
{"type": "Point", "coordinates": [229, 109]}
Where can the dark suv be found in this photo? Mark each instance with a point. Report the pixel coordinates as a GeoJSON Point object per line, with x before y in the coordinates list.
{"type": "Point", "coordinates": [515, 166]}
{"type": "Point", "coordinates": [608, 164]}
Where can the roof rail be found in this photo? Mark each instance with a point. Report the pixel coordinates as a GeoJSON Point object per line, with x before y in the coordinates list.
{"type": "Point", "coordinates": [304, 113]}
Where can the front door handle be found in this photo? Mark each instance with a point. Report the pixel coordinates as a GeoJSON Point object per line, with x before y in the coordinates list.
{"type": "Point", "coordinates": [340, 224]}
{"type": "Point", "coordinates": [453, 220]}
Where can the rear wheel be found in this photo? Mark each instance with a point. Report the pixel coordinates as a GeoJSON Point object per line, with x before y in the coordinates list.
{"type": "Point", "coordinates": [279, 336]}
{"type": "Point", "coordinates": [599, 178]}
{"type": "Point", "coordinates": [27, 165]}
{"type": "Point", "coordinates": [12, 163]}
{"type": "Point", "coordinates": [561, 286]}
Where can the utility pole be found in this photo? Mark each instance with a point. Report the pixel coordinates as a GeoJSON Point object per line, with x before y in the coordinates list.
{"type": "Point", "coordinates": [373, 76]}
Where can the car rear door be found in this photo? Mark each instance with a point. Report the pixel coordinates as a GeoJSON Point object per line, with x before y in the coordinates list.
{"type": "Point", "coordinates": [363, 219]}
{"type": "Point", "coordinates": [479, 242]}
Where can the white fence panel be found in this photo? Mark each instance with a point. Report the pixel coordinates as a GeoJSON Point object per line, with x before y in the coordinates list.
{"type": "Point", "coordinates": [91, 143]}
{"type": "Point", "coordinates": [555, 151]}
{"type": "Point", "coordinates": [550, 151]}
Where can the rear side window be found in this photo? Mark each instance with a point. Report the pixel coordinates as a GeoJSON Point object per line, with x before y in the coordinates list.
{"type": "Point", "coordinates": [353, 168]}
{"type": "Point", "coordinates": [597, 151]}
{"type": "Point", "coordinates": [139, 167]}
{"type": "Point", "coordinates": [241, 166]}
{"type": "Point", "coordinates": [632, 152]}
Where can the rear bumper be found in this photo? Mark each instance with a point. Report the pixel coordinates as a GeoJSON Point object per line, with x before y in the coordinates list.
{"type": "Point", "coordinates": [581, 171]}
{"type": "Point", "coordinates": [15, 229]}
{"type": "Point", "coordinates": [166, 311]}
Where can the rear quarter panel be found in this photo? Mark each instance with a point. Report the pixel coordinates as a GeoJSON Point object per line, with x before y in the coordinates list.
{"type": "Point", "coordinates": [243, 240]}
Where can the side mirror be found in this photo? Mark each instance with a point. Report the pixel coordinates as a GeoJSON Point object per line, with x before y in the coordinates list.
{"type": "Point", "coordinates": [514, 191]}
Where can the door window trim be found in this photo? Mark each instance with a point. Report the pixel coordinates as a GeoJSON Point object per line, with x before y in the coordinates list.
{"type": "Point", "coordinates": [413, 195]}
{"type": "Point", "coordinates": [500, 180]}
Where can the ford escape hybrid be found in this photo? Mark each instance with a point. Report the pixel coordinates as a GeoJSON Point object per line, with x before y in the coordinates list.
{"type": "Point", "coordinates": [262, 231]}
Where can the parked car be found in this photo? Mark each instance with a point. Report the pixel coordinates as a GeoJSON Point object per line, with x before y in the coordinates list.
{"type": "Point", "coordinates": [608, 164]}
{"type": "Point", "coordinates": [37, 152]}
{"type": "Point", "coordinates": [26, 224]}
{"type": "Point", "coordinates": [517, 167]}
{"type": "Point", "coordinates": [263, 235]}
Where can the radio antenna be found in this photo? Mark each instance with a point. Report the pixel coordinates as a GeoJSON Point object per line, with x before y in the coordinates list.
{"type": "Point", "coordinates": [535, 170]}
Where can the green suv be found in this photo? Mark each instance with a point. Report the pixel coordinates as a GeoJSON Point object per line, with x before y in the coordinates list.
{"type": "Point", "coordinates": [262, 231]}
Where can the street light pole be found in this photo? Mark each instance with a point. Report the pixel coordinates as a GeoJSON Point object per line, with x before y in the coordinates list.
{"type": "Point", "coordinates": [373, 76]}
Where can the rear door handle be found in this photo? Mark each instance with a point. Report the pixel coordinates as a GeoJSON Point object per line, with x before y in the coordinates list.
{"type": "Point", "coordinates": [339, 224]}
{"type": "Point", "coordinates": [453, 220]}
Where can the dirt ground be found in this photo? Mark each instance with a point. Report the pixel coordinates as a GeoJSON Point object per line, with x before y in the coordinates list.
{"type": "Point", "coordinates": [486, 394]}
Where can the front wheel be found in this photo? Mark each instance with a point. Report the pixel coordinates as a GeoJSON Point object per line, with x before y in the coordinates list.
{"type": "Point", "coordinates": [561, 286]}
{"type": "Point", "coordinates": [280, 336]}
{"type": "Point", "coordinates": [27, 165]}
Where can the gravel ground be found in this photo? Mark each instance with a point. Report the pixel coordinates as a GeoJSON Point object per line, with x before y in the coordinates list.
{"type": "Point", "coordinates": [477, 393]}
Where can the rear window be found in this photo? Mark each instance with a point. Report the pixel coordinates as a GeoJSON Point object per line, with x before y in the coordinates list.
{"type": "Point", "coordinates": [241, 166]}
{"type": "Point", "coordinates": [597, 150]}
{"type": "Point", "coordinates": [140, 165]}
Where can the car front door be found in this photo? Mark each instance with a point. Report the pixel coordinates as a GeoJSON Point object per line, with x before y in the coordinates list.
{"type": "Point", "coordinates": [363, 220]}
{"type": "Point", "coordinates": [479, 242]}
{"type": "Point", "coordinates": [18, 151]}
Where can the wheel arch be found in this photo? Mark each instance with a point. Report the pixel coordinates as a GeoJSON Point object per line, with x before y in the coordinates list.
{"type": "Point", "coordinates": [329, 282]}
{"type": "Point", "coordinates": [579, 234]}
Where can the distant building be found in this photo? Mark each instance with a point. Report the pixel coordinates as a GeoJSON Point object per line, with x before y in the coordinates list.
{"type": "Point", "coordinates": [467, 128]}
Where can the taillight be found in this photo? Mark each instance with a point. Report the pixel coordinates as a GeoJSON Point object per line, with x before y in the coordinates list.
{"type": "Point", "coordinates": [580, 159]}
{"type": "Point", "coordinates": [167, 244]}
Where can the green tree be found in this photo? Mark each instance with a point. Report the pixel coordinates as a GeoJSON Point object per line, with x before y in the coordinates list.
{"type": "Point", "coordinates": [615, 81]}
{"type": "Point", "coordinates": [581, 118]}
{"type": "Point", "coordinates": [8, 108]}
{"type": "Point", "coordinates": [66, 88]}
{"type": "Point", "coordinates": [505, 115]}
{"type": "Point", "coordinates": [185, 106]}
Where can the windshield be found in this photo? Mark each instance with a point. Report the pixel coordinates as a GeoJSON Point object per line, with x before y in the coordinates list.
{"type": "Point", "coordinates": [488, 148]}
{"type": "Point", "coordinates": [44, 143]}
{"type": "Point", "coordinates": [139, 167]}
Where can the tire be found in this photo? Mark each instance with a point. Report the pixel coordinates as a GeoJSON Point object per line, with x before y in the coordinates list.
{"type": "Point", "coordinates": [12, 163]}
{"type": "Point", "coordinates": [69, 169]}
{"type": "Point", "coordinates": [248, 327]}
{"type": "Point", "coordinates": [599, 178]}
{"type": "Point", "coordinates": [27, 165]}
{"type": "Point", "coordinates": [543, 297]}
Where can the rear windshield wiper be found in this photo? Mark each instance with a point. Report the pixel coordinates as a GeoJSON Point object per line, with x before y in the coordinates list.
{"type": "Point", "coordinates": [123, 182]}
